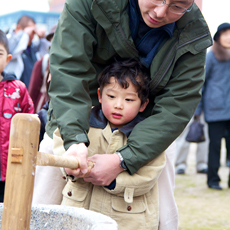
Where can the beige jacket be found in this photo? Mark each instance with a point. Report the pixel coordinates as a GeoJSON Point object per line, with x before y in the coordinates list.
{"type": "Point", "coordinates": [133, 202]}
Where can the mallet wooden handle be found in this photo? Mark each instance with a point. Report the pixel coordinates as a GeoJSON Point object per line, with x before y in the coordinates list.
{"type": "Point", "coordinates": [45, 159]}
{"type": "Point", "coordinates": [23, 145]}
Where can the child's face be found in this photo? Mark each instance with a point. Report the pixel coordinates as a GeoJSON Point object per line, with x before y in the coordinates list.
{"type": "Point", "coordinates": [4, 58]}
{"type": "Point", "coordinates": [156, 16]}
{"type": "Point", "coordinates": [120, 105]}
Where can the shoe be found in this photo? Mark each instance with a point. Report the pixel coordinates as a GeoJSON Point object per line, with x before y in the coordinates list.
{"type": "Point", "coordinates": [217, 187]}
{"type": "Point", "coordinates": [180, 171]}
{"type": "Point", "coordinates": [204, 171]}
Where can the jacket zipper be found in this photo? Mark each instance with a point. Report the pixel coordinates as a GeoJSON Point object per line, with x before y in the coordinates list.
{"type": "Point", "coordinates": [186, 43]}
{"type": "Point", "coordinates": [120, 29]}
{"type": "Point", "coordinates": [124, 38]}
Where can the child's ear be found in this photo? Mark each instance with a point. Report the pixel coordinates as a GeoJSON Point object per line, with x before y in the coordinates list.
{"type": "Point", "coordinates": [143, 106]}
{"type": "Point", "coordinates": [9, 56]}
{"type": "Point", "coordinates": [99, 94]}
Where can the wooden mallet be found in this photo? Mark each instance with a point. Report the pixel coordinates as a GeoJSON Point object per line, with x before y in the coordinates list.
{"type": "Point", "coordinates": [23, 156]}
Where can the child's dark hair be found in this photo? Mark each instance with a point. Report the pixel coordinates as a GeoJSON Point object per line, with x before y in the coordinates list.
{"type": "Point", "coordinates": [4, 41]}
{"type": "Point", "coordinates": [128, 69]}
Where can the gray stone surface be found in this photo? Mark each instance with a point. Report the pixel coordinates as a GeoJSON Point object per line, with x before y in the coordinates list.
{"type": "Point", "coordinates": [56, 217]}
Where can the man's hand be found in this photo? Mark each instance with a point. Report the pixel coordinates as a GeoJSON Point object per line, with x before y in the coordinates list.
{"type": "Point", "coordinates": [80, 151]}
{"type": "Point", "coordinates": [105, 170]}
{"type": "Point", "coordinates": [30, 30]}
{"type": "Point", "coordinates": [197, 117]}
{"type": "Point", "coordinates": [41, 33]}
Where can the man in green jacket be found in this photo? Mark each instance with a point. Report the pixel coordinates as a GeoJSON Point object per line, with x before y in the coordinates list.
{"type": "Point", "coordinates": [169, 37]}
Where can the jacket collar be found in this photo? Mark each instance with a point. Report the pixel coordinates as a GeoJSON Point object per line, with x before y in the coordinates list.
{"type": "Point", "coordinates": [98, 120]}
{"type": "Point", "coordinates": [188, 20]}
{"type": "Point", "coordinates": [8, 77]}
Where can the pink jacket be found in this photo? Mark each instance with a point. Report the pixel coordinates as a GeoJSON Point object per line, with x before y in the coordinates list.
{"type": "Point", "coordinates": [14, 98]}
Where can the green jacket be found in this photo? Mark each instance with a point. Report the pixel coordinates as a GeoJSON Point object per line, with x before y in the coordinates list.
{"type": "Point", "coordinates": [89, 34]}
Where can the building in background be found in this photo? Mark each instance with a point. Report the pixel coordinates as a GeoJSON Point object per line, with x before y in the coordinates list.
{"type": "Point", "coordinates": [42, 19]}
{"type": "Point", "coordinates": [56, 5]}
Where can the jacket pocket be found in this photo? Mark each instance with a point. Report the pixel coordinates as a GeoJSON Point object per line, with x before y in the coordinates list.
{"type": "Point", "coordinates": [138, 205]}
{"type": "Point", "coordinates": [130, 216]}
{"type": "Point", "coordinates": [76, 194]}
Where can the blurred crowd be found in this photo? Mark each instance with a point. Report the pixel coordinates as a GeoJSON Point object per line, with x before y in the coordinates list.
{"type": "Point", "coordinates": [24, 68]}
{"type": "Point", "coordinates": [29, 47]}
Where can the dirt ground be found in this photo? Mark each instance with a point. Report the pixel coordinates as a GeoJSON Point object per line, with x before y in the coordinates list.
{"type": "Point", "coordinates": [201, 208]}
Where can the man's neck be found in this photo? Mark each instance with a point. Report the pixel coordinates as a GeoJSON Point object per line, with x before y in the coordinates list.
{"type": "Point", "coordinates": [1, 77]}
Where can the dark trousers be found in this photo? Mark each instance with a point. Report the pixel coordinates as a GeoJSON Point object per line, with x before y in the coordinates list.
{"type": "Point", "coordinates": [216, 131]}
{"type": "Point", "coordinates": [227, 139]}
{"type": "Point", "coordinates": [2, 188]}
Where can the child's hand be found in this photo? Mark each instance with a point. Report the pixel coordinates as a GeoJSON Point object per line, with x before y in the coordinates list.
{"type": "Point", "coordinates": [80, 151]}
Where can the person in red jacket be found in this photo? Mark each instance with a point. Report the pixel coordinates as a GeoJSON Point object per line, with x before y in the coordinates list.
{"type": "Point", "coordinates": [14, 98]}
{"type": "Point", "coordinates": [38, 81]}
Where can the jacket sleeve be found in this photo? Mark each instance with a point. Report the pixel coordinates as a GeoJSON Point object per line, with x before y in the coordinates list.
{"type": "Point", "coordinates": [142, 181]}
{"type": "Point", "coordinates": [17, 43]}
{"type": "Point", "coordinates": [26, 103]}
{"type": "Point", "coordinates": [72, 71]}
{"type": "Point", "coordinates": [208, 71]}
{"type": "Point", "coordinates": [174, 107]}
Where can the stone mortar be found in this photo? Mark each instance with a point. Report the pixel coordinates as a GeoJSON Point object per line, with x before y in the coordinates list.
{"type": "Point", "coordinates": [56, 217]}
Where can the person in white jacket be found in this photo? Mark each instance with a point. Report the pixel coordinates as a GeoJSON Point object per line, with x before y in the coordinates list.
{"type": "Point", "coordinates": [182, 151]}
{"type": "Point", "coordinates": [25, 52]}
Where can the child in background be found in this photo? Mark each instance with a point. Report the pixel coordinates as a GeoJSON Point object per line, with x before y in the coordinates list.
{"type": "Point", "coordinates": [14, 98]}
{"type": "Point", "coordinates": [131, 200]}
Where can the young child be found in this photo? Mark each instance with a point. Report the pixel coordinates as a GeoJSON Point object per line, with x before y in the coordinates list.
{"type": "Point", "coordinates": [14, 98]}
{"type": "Point", "coordinates": [131, 200]}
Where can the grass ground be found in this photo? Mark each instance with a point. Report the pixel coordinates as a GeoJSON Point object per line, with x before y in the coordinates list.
{"type": "Point", "coordinates": [201, 208]}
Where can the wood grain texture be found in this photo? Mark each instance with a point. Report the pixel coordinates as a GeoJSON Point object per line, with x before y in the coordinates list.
{"type": "Point", "coordinates": [23, 145]}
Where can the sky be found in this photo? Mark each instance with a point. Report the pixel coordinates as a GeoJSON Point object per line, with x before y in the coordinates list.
{"type": "Point", "coordinates": [215, 12]}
